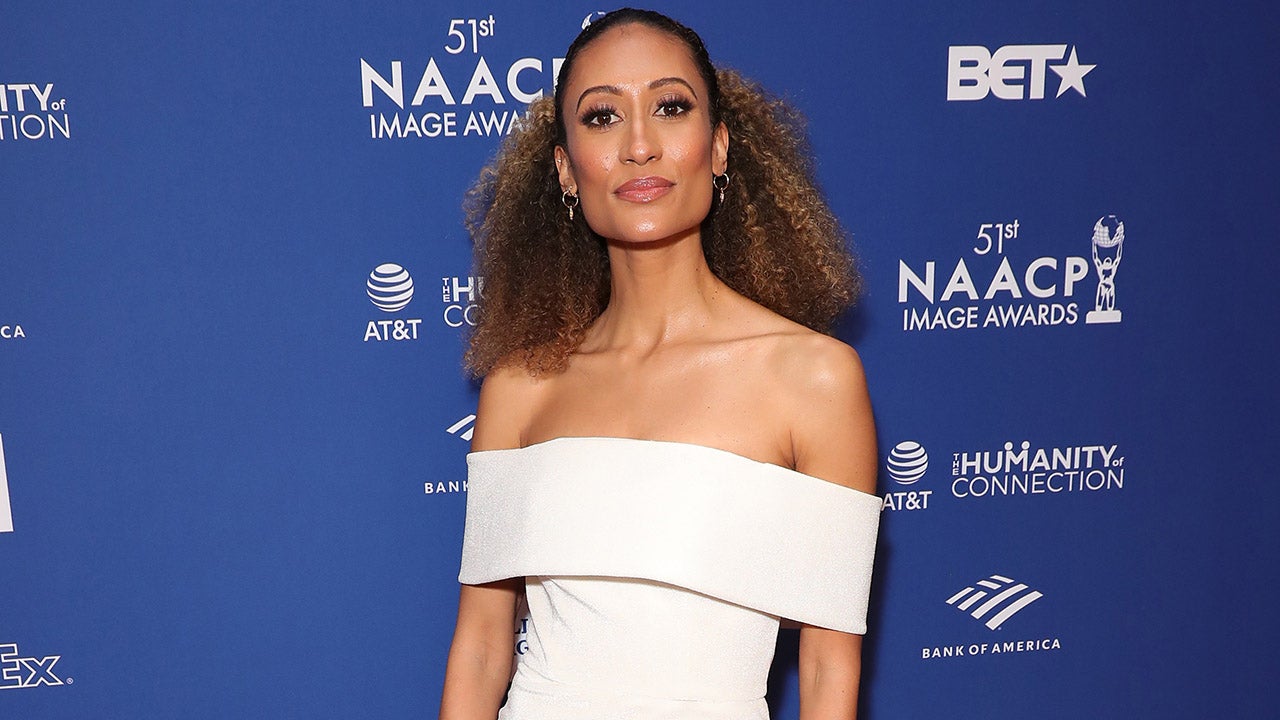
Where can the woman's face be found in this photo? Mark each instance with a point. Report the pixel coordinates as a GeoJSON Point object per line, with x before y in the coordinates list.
{"type": "Point", "coordinates": [640, 151]}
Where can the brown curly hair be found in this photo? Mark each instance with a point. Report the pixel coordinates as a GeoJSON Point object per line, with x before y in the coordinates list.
{"type": "Point", "coordinates": [546, 277]}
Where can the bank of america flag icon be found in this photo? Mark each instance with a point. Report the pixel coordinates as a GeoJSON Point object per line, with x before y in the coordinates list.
{"type": "Point", "coordinates": [994, 600]}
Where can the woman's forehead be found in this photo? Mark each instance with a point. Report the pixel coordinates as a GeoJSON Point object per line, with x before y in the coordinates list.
{"type": "Point", "coordinates": [633, 55]}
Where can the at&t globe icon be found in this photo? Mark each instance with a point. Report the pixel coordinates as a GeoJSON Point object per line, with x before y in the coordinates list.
{"type": "Point", "coordinates": [390, 287]}
{"type": "Point", "coordinates": [907, 462]}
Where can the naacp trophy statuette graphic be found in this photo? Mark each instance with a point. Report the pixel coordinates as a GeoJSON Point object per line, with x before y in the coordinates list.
{"type": "Point", "coordinates": [1108, 245]}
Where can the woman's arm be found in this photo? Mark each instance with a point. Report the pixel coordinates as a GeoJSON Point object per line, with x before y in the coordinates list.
{"type": "Point", "coordinates": [481, 655]}
{"type": "Point", "coordinates": [830, 668]}
{"type": "Point", "coordinates": [833, 438]}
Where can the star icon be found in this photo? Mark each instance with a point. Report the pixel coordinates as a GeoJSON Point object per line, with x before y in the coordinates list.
{"type": "Point", "coordinates": [1072, 74]}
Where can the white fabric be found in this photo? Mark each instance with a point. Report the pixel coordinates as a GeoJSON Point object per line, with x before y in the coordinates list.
{"type": "Point", "coordinates": [658, 571]}
{"type": "Point", "coordinates": [639, 650]}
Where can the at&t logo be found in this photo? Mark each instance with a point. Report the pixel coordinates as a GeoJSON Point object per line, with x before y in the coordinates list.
{"type": "Point", "coordinates": [1012, 72]}
{"type": "Point", "coordinates": [390, 288]}
{"type": "Point", "coordinates": [27, 672]}
{"type": "Point", "coordinates": [906, 464]}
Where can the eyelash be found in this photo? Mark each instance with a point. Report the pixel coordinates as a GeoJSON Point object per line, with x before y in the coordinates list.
{"type": "Point", "coordinates": [675, 101]}
{"type": "Point", "coordinates": [596, 114]}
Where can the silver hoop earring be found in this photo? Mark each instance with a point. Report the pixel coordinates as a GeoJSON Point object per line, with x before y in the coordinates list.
{"type": "Point", "coordinates": [570, 201]}
{"type": "Point", "coordinates": [720, 182]}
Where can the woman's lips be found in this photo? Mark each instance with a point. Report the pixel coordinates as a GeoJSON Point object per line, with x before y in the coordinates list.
{"type": "Point", "coordinates": [645, 189]}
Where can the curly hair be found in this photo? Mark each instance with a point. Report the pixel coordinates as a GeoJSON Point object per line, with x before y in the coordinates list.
{"type": "Point", "coordinates": [546, 277]}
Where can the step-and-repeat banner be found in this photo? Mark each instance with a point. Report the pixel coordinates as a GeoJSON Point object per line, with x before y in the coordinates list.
{"type": "Point", "coordinates": [235, 287]}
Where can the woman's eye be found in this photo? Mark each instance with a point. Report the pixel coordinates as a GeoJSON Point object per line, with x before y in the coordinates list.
{"type": "Point", "coordinates": [600, 118]}
{"type": "Point", "coordinates": [671, 108]}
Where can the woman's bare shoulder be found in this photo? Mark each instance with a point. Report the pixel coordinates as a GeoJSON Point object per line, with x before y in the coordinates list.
{"type": "Point", "coordinates": [798, 354]}
{"type": "Point", "coordinates": [823, 399]}
{"type": "Point", "coordinates": [793, 357]}
{"type": "Point", "coordinates": [509, 395]}
{"type": "Point", "coordinates": [812, 370]}
{"type": "Point", "coordinates": [815, 363]}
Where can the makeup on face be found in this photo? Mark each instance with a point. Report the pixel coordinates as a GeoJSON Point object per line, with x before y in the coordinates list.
{"type": "Point", "coordinates": [640, 146]}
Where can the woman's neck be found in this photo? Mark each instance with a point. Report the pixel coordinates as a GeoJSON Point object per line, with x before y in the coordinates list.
{"type": "Point", "coordinates": [660, 293]}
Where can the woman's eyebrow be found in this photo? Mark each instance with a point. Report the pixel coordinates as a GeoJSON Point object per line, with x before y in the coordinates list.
{"type": "Point", "coordinates": [615, 90]}
{"type": "Point", "coordinates": [661, 82]}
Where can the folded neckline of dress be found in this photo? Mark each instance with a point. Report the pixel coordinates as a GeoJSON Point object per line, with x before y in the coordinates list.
{"type": "Point", "coordinates": [543, 444]}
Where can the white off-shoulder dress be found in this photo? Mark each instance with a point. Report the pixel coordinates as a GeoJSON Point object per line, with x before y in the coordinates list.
{"type": "Point", "coordinates": [657, 572]}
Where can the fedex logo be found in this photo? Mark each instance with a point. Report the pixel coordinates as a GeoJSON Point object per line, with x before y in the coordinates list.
{"type": "Point", "coordinates": [1012, 72]}
{"type": "Point", "coordinates": [26, 672]}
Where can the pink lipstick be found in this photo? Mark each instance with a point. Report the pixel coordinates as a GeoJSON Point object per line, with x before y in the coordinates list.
{"type": "Point", "coordinates": [645, 189]}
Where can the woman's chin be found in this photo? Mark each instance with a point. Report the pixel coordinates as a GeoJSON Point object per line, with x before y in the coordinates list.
{"type": "Point", "coordinates": [654, 234]}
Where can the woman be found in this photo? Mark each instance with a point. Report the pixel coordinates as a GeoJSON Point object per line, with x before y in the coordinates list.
{"type": "Point", "coordinates": [666, 460]}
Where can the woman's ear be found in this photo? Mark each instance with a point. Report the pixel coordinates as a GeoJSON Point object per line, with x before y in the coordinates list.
{"type": "Point", "coordinates": [565, 170]}
{"type": "Point", "coordinates": [720, 149]}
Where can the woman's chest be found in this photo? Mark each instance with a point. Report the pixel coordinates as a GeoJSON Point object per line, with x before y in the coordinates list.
{"type": "Point", "coordinates": [735, 409]}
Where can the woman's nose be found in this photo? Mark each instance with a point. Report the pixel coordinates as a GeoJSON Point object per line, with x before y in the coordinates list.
{"type": "Point", "coordinates": [640, 145]}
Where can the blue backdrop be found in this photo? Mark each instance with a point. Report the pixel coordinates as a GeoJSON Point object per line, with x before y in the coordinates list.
{"type": "Point", "coordinates": [232, 454]}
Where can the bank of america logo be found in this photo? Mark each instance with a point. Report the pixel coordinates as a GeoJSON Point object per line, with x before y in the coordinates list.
{"type": "Point", "coordinates": [998, 597]}
{"type": "Point", "coordinates": [463, 428]}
